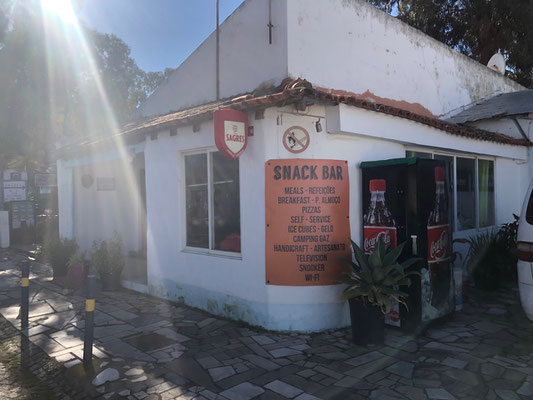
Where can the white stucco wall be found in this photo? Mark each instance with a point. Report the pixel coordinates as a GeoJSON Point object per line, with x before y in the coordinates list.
{"type": "Point", "coordinates": [511, 179]}
{"type": "Point", "coordinates": [350, 45]}
{"type": "Point", "coordinates": [346, 45]}
{"type": "Point", "coordinates": [511, 162]}
{"type": "Point", "coordinates": [98, 214]}
{"type": "Point", "coordinates": [507, 126]}
{"type": "Point", "coordinates": [348, 119]}
{"type": "Point", "coordinates": [235, 287]}
{"type": "Point", "coordinates": [247, 60]}
{"type": "Point", "coordinates": [87, 214]}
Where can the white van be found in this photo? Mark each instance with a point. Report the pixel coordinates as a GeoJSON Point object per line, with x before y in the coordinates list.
{"type": "Point", "coordinates": [525, 254]}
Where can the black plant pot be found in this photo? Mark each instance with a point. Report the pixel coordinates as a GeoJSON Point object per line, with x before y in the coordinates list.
{"type": "Point", "coordinates": [110, 281]}
{"type": "Point", "coordinates": [368, 323]}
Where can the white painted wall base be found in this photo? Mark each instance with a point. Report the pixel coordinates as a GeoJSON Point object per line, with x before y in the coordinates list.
{"type": "Point", "coordinates": [272, 315]}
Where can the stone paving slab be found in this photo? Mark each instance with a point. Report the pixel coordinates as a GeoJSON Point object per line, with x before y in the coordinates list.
{"type": "Point", "coordinates": [485, 351]}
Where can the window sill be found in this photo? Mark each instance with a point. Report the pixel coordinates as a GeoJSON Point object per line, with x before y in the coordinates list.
{"type": "Point", "coordinates": [212, 253]}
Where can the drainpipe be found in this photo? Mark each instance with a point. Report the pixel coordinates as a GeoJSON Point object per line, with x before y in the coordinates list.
{"type": "Point", "coordinates": [270, 26]}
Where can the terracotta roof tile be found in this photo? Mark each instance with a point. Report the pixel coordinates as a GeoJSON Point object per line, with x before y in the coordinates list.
{"type": "Point", "coordinates": [292, 91]}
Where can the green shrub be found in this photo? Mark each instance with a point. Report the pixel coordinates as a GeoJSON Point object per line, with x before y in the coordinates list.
{"type": "Point", "coordinates": [507, 235]}
{"type": "Point", "coordinates": [58, 252]}
{"type": "Point", "coordinates": [108, 260]}
{"type": "Point", "coordinates": [492, 256]}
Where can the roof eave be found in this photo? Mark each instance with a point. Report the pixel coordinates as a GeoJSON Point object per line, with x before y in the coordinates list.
{"type": "Point", "coordinates": [289, 92]}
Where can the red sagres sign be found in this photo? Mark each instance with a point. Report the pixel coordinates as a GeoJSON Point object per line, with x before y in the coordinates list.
{"type": "Point", "coordinates": [231, 132]}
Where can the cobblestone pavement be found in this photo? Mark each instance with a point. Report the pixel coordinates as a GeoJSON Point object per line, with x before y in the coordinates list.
{"type": "Point", "coordinates": [16, 382]}
{"type": "Point", "coordinates": [30, 374]}
{"type": "Point", "coordinates": [152, 349]}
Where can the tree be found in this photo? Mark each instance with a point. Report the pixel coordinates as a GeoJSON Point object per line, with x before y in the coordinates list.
{"type": "Point", "coordinates": [4, 22]}
{"type": "Point", "coordinates": [476, 28]}
{"type": "Point", "coordinates": [58, 83]}
{"type": "Point", "coordinates": [152, 80]}
{"type": "Point", "coordinates": [121, 77]}
{"type": "Point", "coordinates": [23, 107]}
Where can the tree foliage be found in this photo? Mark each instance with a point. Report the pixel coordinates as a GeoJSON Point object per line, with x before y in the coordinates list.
{"type": "Point", "coordinates": [476, 28]}
{"type": "Point", "coordinates": [59, 83]}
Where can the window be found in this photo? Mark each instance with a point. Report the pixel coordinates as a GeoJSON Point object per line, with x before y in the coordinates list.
{"type": "Point", "coordinates": [212, 202]}
{"type": "Point", "coordinates": [473, 188]}
{"type": "Point", "coordinates": [466, 193]}
{"type": "Point", "coordinates": [485, 173]}
{"type": "Point", "coordinates": [451, 179]}
{"type": "Point", "coordinates": [419, 154]}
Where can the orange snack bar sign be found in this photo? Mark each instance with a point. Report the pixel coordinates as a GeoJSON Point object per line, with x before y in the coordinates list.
{"type": "Point", "coordinates": [307, 221]}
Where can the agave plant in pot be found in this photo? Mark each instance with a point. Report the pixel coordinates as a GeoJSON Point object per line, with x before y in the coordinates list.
{"type": "Point", "coordinates": [373, 284]}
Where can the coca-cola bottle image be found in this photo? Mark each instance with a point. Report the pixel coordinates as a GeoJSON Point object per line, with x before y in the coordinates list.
{"type": "Point", "coordinates": [378, 221]}
{"type": "Point", "coordinates": [438, 245]}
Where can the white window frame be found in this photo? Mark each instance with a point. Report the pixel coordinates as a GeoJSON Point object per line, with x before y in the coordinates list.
{"type": "Point", "coordinates": [454, 166]}
{"type": "Point", "coordinates": [210, 212]}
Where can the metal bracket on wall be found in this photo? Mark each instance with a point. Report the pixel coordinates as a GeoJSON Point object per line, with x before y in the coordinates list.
{"type": "Point", "coordinates": [519, 127]}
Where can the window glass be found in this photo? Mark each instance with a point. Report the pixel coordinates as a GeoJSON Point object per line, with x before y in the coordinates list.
{"type": "Point", "coordinates": [449, 194]}
{"type": "Point", "coordinates": [197, 201]}
{"type": "Point", "coordinates": [418, 154]}
{"type": "Point", "coordinates": [486, 192]}
{"type": "Point", "coordinates": [226, 204]}
{"type": "Point", "coordinates": [466, 193]}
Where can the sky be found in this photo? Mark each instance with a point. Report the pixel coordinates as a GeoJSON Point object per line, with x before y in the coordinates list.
{"type": "Point", "coordinates": [160, 33]}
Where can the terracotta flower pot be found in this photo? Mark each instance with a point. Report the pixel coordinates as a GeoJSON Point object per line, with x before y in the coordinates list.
{"type": "Point", "coordinates": [77, 275]}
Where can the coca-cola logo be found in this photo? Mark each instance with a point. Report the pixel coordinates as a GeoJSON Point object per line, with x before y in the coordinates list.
{"type": "Point", "coordinates": [438, 247]}
{"type": "Point", "coordinates": [370, 243]}
{"type": "Point", "coordinates": [394, 316]}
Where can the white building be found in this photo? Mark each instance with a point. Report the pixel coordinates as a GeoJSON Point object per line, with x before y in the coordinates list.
{"type": "Point", "coordinates": [378, 88]}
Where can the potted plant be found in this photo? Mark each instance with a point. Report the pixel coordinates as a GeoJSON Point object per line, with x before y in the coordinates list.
{"type": "Point", "coordinates": [58, 252]}
{"type": "Point", "coordinates": [108, 260]}
{"type": "Point", "coordinates": [373, 283]}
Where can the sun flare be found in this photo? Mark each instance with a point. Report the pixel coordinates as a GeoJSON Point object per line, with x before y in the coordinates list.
{"type": "Point", "coordinates": [61, 9]}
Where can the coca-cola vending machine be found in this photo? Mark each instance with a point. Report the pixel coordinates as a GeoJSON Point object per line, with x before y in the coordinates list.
{"type": "Point", "coordinates": [408, 200]}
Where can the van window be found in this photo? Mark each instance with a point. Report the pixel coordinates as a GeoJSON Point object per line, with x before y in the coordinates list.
{"type": "Point", "coordinates": [529, 210]}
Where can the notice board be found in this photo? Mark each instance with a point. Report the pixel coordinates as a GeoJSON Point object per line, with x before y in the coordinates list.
{"type": "Point", "coordinates": [307, 221]}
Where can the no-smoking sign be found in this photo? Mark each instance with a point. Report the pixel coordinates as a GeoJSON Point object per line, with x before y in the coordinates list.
{"type": "Point", "coordinates": [296, 139]}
